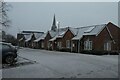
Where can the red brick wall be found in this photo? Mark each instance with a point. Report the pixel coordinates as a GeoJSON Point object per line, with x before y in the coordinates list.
{"type": "Point", "coordinates": [47, 38]}
{"type": "Point", "coordinates": [68, 36]}
{"type": "Point", "coordinates": [100, 39]}
{"type": "Point", "coordinates": [115, 32]}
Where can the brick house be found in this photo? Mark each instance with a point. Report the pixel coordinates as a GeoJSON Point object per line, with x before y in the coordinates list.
{"type": "Point", "coordinates": [103, 37]}
{"type": "Point", "coordinates": [50, 34]}
{"type": "Point", "coordinates": [54, 45]}
{"type": "Point", "coordinates": [21, 38]}
{"type": "Point", "coordinates": [25, 38]}
{"type": "Point", "coordinates": [39, 43]}
{"type": "Point", "coordinates": [62, 41]}
{"type": "Point", "coordinates": [37, 36]}
{"type": "Point", "coordinates": [29, 41]}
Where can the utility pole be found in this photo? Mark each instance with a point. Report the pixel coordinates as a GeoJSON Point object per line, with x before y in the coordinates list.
{"type": "Point", "coordinates": [58, 23]}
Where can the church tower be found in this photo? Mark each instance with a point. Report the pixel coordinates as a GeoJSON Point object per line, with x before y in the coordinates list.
{"type": "Point", "coordinates": [54, 27]}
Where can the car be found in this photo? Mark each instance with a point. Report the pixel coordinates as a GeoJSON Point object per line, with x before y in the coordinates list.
{"type": "Point", "coordinates": [9, 53]}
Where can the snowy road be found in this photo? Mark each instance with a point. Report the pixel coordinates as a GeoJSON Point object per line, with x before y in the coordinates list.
{"type": "Point", "coordinates": [51, 64]}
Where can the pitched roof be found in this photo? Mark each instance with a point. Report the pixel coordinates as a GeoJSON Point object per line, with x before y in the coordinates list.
{"type": "Point", "coordinates": [41, 37]}
{"type": "Point", "coordinates": [31, 31]}
{"type": "Point", "coordinates": [61, 32]}
{"type": "Point", "coordinates": [28, 37]}
{"type": "Point", "coordinates": [28, 34]}
{"type": "Point", "coordinates": [95, 29]}
{"type": "Point", "coordinates": [89, 30]}
{"type": "Point", "coordinates": [52, 33]}
{"type": "Point", "coordinates": [37, 35]}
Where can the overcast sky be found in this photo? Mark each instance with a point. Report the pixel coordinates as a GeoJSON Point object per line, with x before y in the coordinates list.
{"type": "Point", "coordinates": [38, 15]}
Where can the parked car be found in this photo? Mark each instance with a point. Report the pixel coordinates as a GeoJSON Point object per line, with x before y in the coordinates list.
{"type": "Point", "coordinates": [9, 53]}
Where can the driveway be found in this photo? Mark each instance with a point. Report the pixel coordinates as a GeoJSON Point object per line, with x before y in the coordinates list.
{"type": "Point", "coordinates": [35, 63]}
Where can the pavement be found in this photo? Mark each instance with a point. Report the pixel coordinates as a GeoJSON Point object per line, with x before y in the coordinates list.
{"type": "Point", "coordinates": [36, 63]}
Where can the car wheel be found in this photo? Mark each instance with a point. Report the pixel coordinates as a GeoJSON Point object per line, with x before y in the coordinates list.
{"type": "Point", "coordinates": [9, 59]}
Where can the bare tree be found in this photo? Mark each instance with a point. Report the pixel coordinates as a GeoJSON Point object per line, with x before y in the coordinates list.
{"type": "Point", "coordinates": [4, 8]}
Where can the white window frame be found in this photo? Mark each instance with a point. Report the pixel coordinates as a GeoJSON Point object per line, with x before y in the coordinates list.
{"type": "Point", "coordinates": [107, 46]}
{"type": "Point", "coordinates": [59, 45]}
{"type": "Point", "coordinates": [88, 45]}
{"type": "Point", "coordinates": [67, 43]}
{"type": "Point", "coordinates": [42, 44]}
{"type": "Point", "coordinates": [48, 44]}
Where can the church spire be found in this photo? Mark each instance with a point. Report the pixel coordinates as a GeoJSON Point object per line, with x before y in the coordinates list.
{"type": "Point", "coordinates": [54, 27]}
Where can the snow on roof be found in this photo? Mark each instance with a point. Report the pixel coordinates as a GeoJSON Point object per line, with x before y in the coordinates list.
{"type": "Point", "coordinates": [32, 31]}
{"type": "Point", "coordinates": [62, 32]}
{"type": "Point", "coordinates": [96, 30]}
{"type": "Point", "coordinates": [28, 34]}
{"type": "Point", "coordinates": [21, 39]}
{"type": "Point", "coordinates": [37, 35]}
{"type": "Point", "coordinates": [52, 33]}
{"type": "Point", "coordinates": [59, 33]}
{"type": "Point", "coordinates": [80, 33]}
{"type": "Point", "coordinates": [28, 37]}
{"type": "Point", "coordinates": [74, 30]}
{"type": "Point", "coordinates": [41, 37]}
{"type": "Point", "coordinates": [54, 38]}
{"type": "Point", "coordinates": [89, 30]}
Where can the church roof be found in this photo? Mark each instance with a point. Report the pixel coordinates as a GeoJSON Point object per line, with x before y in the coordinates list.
{"type": "Point", "coordinates": [54, 27]}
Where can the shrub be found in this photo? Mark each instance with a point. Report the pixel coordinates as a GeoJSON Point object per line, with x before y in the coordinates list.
{"type": "Point", "coordinates": [113, 53]}
{"type": "Point", "coordinates": [93, 52]}
{"type": "Point", "coordinates": [65, 50]}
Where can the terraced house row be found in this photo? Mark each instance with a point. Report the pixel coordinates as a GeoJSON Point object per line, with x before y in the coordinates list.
{"type": "Point", "coordinates": [104, 37]}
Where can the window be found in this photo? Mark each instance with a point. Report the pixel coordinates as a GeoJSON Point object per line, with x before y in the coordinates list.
{"type": "Point", "coordinates": [42, 44]}
{"type": "Point", "coordinates": [107, 46]}
{"type": "Point", "coordinates": [68, 43]}
{"type": "Point", "coordinates": [48, 44]}
{"type": "Point", "coordinates": [59, 44]}
{"type": "Point", "coordinates": [73, 45]}
{"type": "Point", "coordinates": [51, 45]}
{"type": "Point", "coordinates": [87, 45]}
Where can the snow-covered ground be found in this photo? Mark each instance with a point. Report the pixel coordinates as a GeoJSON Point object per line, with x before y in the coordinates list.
{"type": "Point", "coordinates": [53, 64]}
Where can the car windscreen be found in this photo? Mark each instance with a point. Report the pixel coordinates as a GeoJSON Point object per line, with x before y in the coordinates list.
{"type": "Point", "coordinates": [5, 46]}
